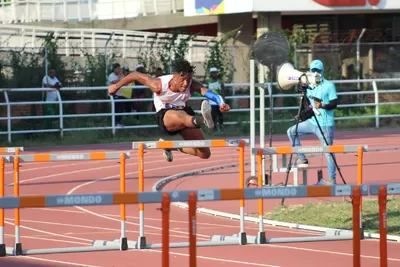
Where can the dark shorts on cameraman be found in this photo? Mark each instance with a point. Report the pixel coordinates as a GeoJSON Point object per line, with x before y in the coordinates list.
{"type": "Point", "coordinates": [160, 118]}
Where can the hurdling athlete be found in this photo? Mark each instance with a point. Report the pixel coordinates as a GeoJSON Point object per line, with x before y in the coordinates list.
{"type": "Point", "coordinates": [174, 116]}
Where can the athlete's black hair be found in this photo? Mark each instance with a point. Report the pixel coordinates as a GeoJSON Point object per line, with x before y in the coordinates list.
{"type": "Point", "coordinates": [182, 66]}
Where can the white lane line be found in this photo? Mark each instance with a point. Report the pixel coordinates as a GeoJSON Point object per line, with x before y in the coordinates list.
{"type": "Point", "coordinates": [102, 228]}
{"type": "Point", "coordinates": [50, 165]}
{"type": "Point", "coordinates": [22, 169]}
{"type": "Point", "coordinates": [219, 259]}
{"type": "Point", "coordinates": [53, 240]}
{"type": "Point", "coordinates": [271, 228]}
{"type": "Point", "coordinates": [174, 221]}
{"type": "Point", "coordinates": [56, 261]}
{"type": "Point", "coordinates": [58, 210]}
{"type": "Point", "coordinates": [91, 169]}
{"type": "Point", "coordinates": [52, 234]}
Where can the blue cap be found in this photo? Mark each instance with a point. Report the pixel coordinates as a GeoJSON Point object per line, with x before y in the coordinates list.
{"type": "Point", "coordinates": [317, 64]}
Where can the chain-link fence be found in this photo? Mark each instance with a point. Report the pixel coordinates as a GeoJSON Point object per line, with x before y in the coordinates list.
{"type": "Point", "coordinates": [374, 60]}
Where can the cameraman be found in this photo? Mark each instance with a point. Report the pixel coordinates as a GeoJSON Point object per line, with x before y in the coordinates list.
{"type": "Point", "coordinates": [323, 99]}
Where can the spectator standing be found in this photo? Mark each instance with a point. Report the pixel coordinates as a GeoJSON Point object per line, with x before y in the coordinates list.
{"type": "Point", "coordinates": [216, 85]}
{"type": "Point", "coordinates": [115, 76]}
{"type": "Point", "coordinates": [52, 82]}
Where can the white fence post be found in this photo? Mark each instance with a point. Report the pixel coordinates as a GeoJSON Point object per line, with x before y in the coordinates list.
{"type": "Point", "coordinates": [376, 93]}
{"type": "Point", "coordinates": [8, 116]}
{"type": "Point", "coordinates": [60, 116]}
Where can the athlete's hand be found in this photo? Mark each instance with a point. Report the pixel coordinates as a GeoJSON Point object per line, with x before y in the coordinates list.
{"type": "Point", "coordinates": [224, 108]}
{"type": "Point", "coordinates": [112, 89]}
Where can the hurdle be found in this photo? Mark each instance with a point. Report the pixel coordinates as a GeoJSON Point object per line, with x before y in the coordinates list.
{"type": "Point", "coordinates": [141, 146]}
{"type": "Point", "coordinates": [382, 191]}
{"type": "Point", "coordinates": [191, 196]}
{"type": "Point", "coordinates": [286, 191]}
{"type": "Point", "coordinates": [17, 249]}
{"type": "Point", "coordinates": [15, 150]}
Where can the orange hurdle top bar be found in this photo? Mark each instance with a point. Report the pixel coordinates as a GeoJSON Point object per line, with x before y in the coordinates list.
{"type": "Point", "coordinates": [41, 201]}
{"type": "Point", "coordinates": [68, 156]}
{"type": "Point", "coordinates": [190, 143]}
{"type": "Point", "coordinates": [310, 149]}
{"type": "Point", "coordinates": [10, 149]}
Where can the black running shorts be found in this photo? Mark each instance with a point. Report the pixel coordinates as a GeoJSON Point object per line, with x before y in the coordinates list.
{"type": "Point", "coordinates": [160, 118]}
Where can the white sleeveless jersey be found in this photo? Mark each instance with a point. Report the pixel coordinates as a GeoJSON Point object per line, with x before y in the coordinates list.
{"type": "Point", "coordinates": [169, 99]}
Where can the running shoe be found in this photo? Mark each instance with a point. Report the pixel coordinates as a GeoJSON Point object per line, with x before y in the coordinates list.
{"type": "Point", "coordinates": [206, 113]}
{"type": "Point", "coordinates": [328, 182]}
{"type": "Point", "coordinates": [301, 163]}
{"type": "Point", "coordinates": [167, 153]}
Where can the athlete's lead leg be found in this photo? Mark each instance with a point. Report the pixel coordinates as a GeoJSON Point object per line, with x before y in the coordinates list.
{"type": "Point", "coordinates": [189, 134]}
{"type": "Point", "coordinates": [175, 120]}
{"type": "Point", "coordinates": [179, 120]}
{"type": "Point", "coordinates": [195, 134]}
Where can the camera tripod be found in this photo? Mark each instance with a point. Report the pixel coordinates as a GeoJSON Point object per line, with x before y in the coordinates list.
{"type": "Point", "coordinates": [304, 101]}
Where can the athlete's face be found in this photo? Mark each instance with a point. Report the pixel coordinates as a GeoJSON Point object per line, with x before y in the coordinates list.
{"type": "Point", "coordinates": [182, 81]}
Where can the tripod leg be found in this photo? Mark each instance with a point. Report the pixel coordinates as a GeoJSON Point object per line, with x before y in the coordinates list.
{"type": "Point", "coordinates": [327, 144]}
{"type": "Point", "coordinates": [296, 135]}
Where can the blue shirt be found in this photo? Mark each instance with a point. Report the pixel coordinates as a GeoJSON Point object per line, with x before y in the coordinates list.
{"type": "Point", "coordinates": [326, 91]}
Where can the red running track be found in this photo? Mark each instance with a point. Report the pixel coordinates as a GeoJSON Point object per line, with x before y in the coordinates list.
{"type": "Point", "coordinates": [78, 226]}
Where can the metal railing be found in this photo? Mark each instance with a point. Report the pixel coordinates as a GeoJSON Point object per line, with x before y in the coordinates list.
{"type": "Point", "coordinates": [13, 36]}
{"type": "Point", "coordinates": [28, 11]}
{"type": "Point", "coordinates": [376, 104]}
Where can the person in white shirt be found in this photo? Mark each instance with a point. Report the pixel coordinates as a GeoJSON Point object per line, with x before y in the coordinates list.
{"type": "Point", "coordinates": [171, 92]}
{"type": "Point", "coordinates": [51, 81]}
{"type": "Point", "coordinates": [115, 76]}
{"type": "Point", "coordinates": [216, 84]}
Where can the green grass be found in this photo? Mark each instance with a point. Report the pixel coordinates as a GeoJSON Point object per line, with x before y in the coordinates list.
{"type": "Point", "coordinates": [339, 215]}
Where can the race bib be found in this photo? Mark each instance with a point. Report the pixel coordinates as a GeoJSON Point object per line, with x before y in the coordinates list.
{"type": "Point", "coordinates": [168, 105]}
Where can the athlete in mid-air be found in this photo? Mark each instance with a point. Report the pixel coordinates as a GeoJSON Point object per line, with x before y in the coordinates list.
{"type": "Point", "coordinates": [171, 92]}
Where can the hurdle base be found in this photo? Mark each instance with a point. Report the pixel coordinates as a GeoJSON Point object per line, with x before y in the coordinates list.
{"type": "Point", "coordinates": [362, 235]}
{"type": "Point", "coordinates": [18, 249]}
{"type": "Point", "coordinates": [115, 246]}
{"type": "Point", "coordinates": [3, 252]}
{"type": "Point", "coordinates": [133, 245]}
{"type": "Point", "coordinates": [261, 238]}
{"type": "Point", "coordinates": [329, 236]}
{"type": "Point", "coordinates": [123, 243]}
{"type": "Point", "coordinates": [9, 251]}
{"type": "Point", "coordinates": [243, 238]}
{"type": "Point", "coordinates": [141, 242]}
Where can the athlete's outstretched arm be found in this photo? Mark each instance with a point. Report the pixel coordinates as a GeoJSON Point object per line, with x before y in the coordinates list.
{"type": "Point", "coordinates": [198, 87]}
{"type": "Point", "coordinates": [153, 83]}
